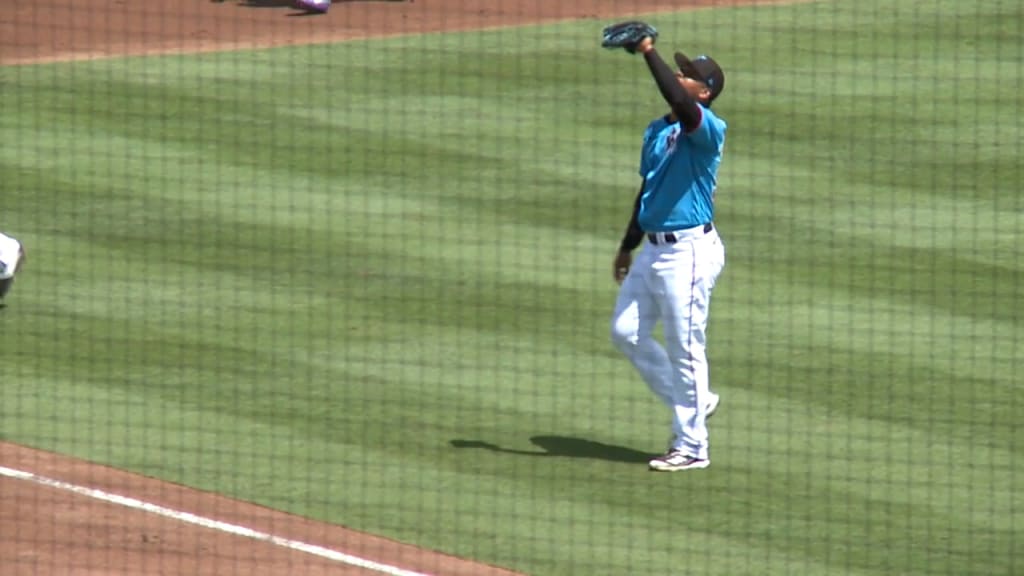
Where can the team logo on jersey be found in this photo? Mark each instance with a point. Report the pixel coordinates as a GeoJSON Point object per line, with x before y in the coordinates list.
{"type": "Point", "coordinates": [673, 137]}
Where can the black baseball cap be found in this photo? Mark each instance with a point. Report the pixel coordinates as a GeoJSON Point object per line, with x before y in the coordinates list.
{"type": "Point", "coordinates": [705, 69]}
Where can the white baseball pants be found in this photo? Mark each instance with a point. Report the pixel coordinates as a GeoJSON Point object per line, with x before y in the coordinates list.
{"type": "Point", "coordinates": [672, 283]}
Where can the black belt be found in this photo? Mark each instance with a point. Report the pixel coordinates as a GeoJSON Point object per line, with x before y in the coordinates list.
{"type": "Point", "coordinates": [670, 238]}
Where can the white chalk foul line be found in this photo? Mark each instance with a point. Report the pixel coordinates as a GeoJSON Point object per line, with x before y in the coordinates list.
{"type": "Point", "coordinates": [209, 523]}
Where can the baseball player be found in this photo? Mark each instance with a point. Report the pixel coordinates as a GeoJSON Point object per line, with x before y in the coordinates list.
{"type": "Point", "coordinates": [12, 255]}
{"type": "Point", "coordinates": [673, 274]}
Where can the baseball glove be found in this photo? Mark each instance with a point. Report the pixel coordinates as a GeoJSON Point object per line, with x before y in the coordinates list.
{"type": "Point", "coordinates": [627, 35]}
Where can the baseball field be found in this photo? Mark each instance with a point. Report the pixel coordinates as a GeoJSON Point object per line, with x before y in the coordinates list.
{"type": "Point", "coordinates": [320, 295]}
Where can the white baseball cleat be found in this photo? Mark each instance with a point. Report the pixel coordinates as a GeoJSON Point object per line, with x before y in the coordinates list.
{"type": "Point", "coordinates": [675, 461]}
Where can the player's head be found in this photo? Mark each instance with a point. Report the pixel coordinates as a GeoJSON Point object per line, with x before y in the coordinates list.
{"type": "Point", "coordinates": [702, 77]}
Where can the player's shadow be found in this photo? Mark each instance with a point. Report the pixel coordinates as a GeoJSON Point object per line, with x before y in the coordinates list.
{"type": "Point", "coordinates": [267, 4]}
{"type": "Point", "coordinates": [564, 447]}
{"type": "Point", "coordinates": [296, 10]}
{"type": "Point", "coordinates": [291, 3]}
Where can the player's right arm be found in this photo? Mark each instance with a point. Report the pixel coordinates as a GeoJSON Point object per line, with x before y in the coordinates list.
{"type": "Point", "coordinates": [630, 240]}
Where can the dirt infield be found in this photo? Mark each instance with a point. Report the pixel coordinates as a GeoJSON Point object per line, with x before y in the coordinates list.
{"type": "Point", "coordinates": [76, 518]}
{"type": "Point", "coordinates": [48, 529]}
{"type": "Point", "coordinates": [54, 30]}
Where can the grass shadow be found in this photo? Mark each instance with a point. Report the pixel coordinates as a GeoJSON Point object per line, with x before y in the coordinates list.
{"type": "Point", "coordinates": [564, 447]}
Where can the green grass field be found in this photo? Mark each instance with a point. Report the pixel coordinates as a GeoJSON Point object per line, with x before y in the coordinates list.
{"type": "Point", "coordinates": [370, 283]}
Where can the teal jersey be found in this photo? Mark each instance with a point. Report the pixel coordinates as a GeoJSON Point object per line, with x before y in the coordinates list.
{"type": "Point", "coordinates": [680, 172]}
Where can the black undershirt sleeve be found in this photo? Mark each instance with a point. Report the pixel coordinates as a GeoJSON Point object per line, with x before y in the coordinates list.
{"type": "Point", "coordinates": [686, 109]}
{"type": "Point", "coordinates": [634, 234]}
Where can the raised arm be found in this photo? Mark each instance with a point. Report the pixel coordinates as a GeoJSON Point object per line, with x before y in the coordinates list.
{"type": "Point", "coordinates": [683, 105]}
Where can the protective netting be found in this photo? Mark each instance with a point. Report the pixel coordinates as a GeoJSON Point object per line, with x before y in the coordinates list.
{"type": "Point", "coordinates": [295, 279]}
